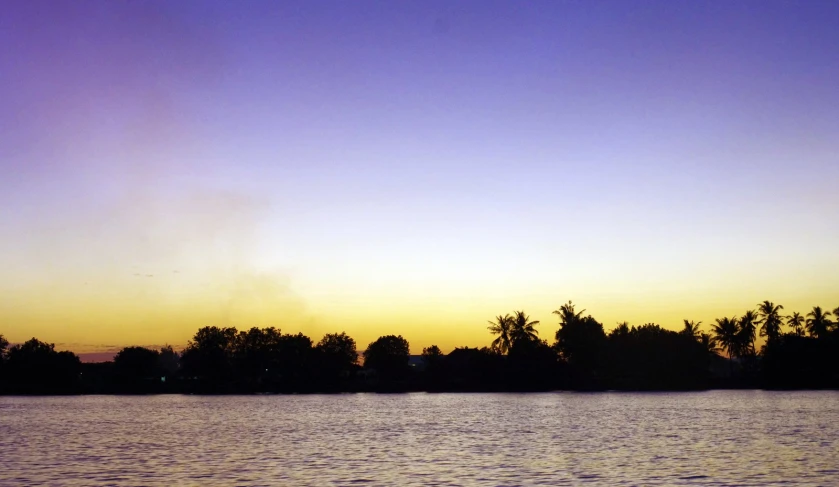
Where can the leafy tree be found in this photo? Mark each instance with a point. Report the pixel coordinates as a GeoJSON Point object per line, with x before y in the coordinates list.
{"type": "Point", "coordinates": [254, 355]}
{"type": "Point", "coordinates": [503, 327]}
{"type": "Point", "coordinates": [798, 362]}
{"type": "Point", "coordinates": [621, 330]}
{"type": "Point", "coordinates": [168, 360]}
{"type": "Point", "coordinates": [581, 343]}
{"type": "Point", "coordinates": [532, 365]}
{"type": "Point", "coordinates": [337, 351]}
{"type": "Point", "coordinates": [650, 357]}
{"type": "Point", "coordinates": [135, 364]}
{"type": "Point", "coordinates": [35, 366]}
{"type": "Point", "coordinates": [522, 329]}
{"type": "Point", "coordinates": [578, 339]}
{"type": "Point", "coordinates": [435, 364]}
{"type": "Point", "coordinates": [293, 360]}
{"type": "Point", "coordinates": [388, 356]}
{"type": "Point", "coordinates": [691, 330]}
{"type": "Point", "coordinates": [473, 369]}
{"type": "Point", "coordinates": [796, 322]}
{"type": "Point", "coordinates": [432, 355]}
{"type": "Point", "coordinates": [818, 322]}
{"type": "Point", "coordinates": [770, 320]}
{"type": "Point", "coordinates": [208, 355]}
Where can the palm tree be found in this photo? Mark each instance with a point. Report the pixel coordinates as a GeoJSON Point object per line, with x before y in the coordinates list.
{"type": "Point", "coordinates": [708, 342]}
{"type": "Point", "coordinates": [503, 327]}
{"type": "Point", "coordinates": [725, 334]}
{"type": "Point", "coordinates": [770, 320]}
{"type": "Point", "coordinates": [522, 328]}
{"type": "Point", "coordinates": [691, 329]}
{"type": "Point", "coordinates": [796, 322]}
{"type": "Point", "coordinates": [747, 333]}
{"type": "Point", "coordinates": [818, 323]}
{"type": "Point", "coordinates": [567, 314]}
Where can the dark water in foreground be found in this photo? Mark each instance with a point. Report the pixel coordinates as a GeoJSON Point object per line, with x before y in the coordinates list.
{"type": "Point", "coordinates": [709, 438]}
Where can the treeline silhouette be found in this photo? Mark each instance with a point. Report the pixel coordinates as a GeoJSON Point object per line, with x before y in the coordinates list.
{"type": "Point", "coordinates": [798, 352]}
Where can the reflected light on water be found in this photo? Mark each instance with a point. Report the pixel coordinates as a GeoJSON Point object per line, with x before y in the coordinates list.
{"type": "Point", "coordinates": [708, 438]}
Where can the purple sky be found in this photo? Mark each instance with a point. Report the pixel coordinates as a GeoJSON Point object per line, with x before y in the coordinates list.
{"type": "Point", "coordinates": [411, 167]}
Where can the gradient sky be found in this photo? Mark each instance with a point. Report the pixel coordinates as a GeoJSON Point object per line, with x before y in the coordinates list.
{"type": "Point", "coordinates": [411, 167]}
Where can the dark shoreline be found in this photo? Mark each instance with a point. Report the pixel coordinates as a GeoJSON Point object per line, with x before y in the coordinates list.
{"type": "Point", "coordinates": [583, 358]}
{"type": "Point", "coordinates": [392, 391]}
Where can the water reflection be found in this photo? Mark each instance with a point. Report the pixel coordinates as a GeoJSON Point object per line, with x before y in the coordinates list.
{"type": "Point", "coordinates": [709, 438]}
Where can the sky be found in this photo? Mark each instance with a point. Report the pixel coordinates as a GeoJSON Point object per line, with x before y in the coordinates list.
{"type": "Point", "coordinates": [411, 168]}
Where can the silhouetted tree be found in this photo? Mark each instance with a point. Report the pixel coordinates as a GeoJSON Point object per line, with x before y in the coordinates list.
{"type": "Point", "coordinates": [747, 333]}
{"type": "Point", "coordinates": [798, 362]}
{"type": "Point", "coordinates": [208, 356]}
{"type": "Point", "coordinates": [770, 320]}
{"type": "Point", "coordinates": [431, 355]}
{"type": "Point", "coordinates": [652, 358]}
{"type": "Point", "coordinates": [726, 334]}
{"type": "Point", "coordinates": [337, 354]}
{"type": "Point", "coordinates": [503, 327]}
{"type": "Point", "coordinates": [580, 342]}
{"type": "Point", "coordinates": [578, 339]}
{"type": "Point", "coordinates": [796, 322]}
{"type": "Point", "coordinates": [388, 356]}
{"type": "Point", "coordinates": [294, 359]}
{"type": "Point", "coordinates": [621, 329]}
{"type": "Point", "coordinates": [522, 329]}
{"type": "Point", "coordinates": [532, 365]}
{"type": "Point", "coordinates": [568, 315]}
{"type": "Point", "coordinates": [434, 372]}
{"type": "Point", "coordinates": [169, 361]}
{"type": "Point", "coordinates": [691, 330]}
{"type": "Point", "coordinates": [708, 343]}
{"type": "Point", "coordinates": [818, 322]}
{"type": "Point", "coordinates": [583, 357]}
{"type": "Point", "coordinates": [36, 367]}
{"type": "Point", "coordinates": [137, 362]}
{"type": "Point", "coordinates": [137, 369]}
{"type": "Point", "coordinates": [473, 369]}
{"type": "Point", "coordinates": [3, 345]}
{"type": "Point", "coordinates": [254, 356]}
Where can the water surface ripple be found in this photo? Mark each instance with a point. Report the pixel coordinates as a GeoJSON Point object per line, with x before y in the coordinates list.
{"type": "Point", "coordinates": [708, 438]}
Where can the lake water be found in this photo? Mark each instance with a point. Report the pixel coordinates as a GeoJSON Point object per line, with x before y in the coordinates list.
{"type": "Point", "coordinates": [707, 438]}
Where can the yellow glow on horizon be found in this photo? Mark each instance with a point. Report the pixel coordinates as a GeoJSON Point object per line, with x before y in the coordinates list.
{"type": "Point", "coordinates": [139, 310]}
